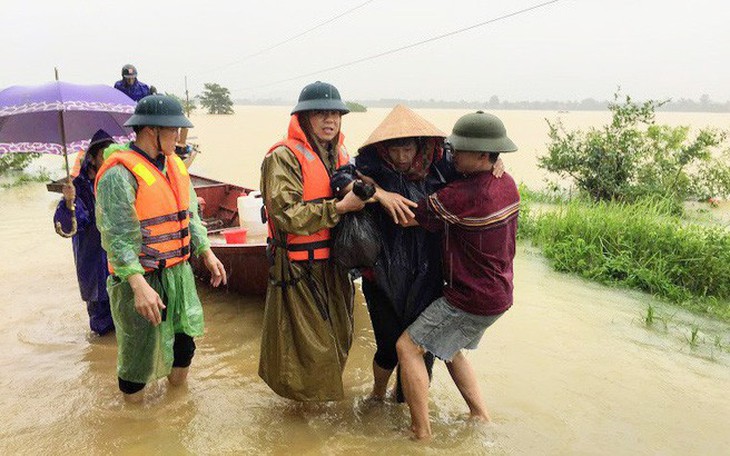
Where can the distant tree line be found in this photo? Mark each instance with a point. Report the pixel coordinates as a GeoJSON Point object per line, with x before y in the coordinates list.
{"type": "Point", "coordinates": [704, 104]}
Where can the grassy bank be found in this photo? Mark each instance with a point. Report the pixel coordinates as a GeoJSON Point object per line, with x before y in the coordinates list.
{"type": "Point", "coordinates": [638, 245]}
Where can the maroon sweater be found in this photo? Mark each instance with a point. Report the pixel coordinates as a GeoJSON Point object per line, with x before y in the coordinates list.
{"type": "Point", "coordinates": [478, 218]}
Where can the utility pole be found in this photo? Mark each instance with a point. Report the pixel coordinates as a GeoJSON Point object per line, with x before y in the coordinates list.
{"type": "Point", "coordinates": [187, 97]}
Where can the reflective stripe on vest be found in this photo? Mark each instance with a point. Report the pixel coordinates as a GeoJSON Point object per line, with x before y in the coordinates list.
{"type": "Point", "coordinates": [316, 184]}
{"type": "Point", "coordinates": [162, 205]}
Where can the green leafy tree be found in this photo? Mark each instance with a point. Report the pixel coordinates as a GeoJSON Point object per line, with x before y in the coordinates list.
{"type": "Point", "coordinates": [633, 157]}
{"type": "Point", "coordinates": [216, 99]}
{"type": "Point", "coordinates": [188, 107]}
{"type": "Point", "coordinates": [355, 107]}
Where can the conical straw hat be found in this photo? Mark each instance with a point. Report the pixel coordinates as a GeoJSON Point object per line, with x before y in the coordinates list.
{"type": "Point", "coordinates": [402, 123]}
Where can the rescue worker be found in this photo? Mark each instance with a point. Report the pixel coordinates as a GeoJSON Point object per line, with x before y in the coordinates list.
{"type": "Point", "coordinates": [308, 322]}
{"type": "Point", "coordinates": [148, 218]}
{"type": "Point", "coordinates": [477, 217]}
{"type": "Point", "coordinates": [130, 85]}
{"type": "Point", "coordinates": [90, 258]}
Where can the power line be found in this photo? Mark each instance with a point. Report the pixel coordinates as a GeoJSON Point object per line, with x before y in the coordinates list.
{"type": "Point", "coordinates": [408, 46]}
{"type": "Point", "coordinates": [299, 35]}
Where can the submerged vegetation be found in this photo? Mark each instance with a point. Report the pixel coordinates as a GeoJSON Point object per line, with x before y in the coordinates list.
{"type": "Point", "coordinates": [216, 99]}
{"type": "Point", "coordinates": [641, 246]}
{"type": "Point", "coordinates": [13, 170]}
{"type": "Point", "coordinates": [626, 224]}
{"type": "Point", "coordinates": [633, 158]}
{"type": "Point", "coordinates": [355, 107]}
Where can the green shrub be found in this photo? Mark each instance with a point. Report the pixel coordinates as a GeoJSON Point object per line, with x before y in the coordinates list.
{"type": "Point", "coordinates": [632, 157]}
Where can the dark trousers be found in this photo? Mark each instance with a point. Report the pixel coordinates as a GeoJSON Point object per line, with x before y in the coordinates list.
{"type": "Point", "coordinates": [100, 316]}
{"type": "Point", "coordinates": [388, 327]}
{"type": "Point", "coordinates": [183, 352]}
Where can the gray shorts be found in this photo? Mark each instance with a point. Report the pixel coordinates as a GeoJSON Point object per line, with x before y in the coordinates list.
{"type": "Point", "coordinates": [445, 330]}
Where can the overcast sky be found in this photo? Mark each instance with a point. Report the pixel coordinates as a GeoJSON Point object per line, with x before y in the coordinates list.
{"type": "Point", "coordinates": [569, 50]}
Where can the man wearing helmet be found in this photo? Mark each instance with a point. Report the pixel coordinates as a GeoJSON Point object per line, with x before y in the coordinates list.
{"type": "Point", "coordinates": [130, 85]}
{"type": "Point", "coordinates": [477, 216]}
{"type": "Point", "coordinates": [148, 219]}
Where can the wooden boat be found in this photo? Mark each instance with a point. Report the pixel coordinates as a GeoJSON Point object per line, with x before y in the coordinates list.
{"type": "Point", "coordinates": [246, 264]}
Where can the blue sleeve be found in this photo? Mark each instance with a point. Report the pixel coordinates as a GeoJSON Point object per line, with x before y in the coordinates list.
{"type": "Point", "coordinates": [63, 216]}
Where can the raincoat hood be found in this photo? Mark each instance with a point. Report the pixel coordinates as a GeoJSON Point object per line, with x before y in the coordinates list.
{"type": "Point", "coordinates": [100, 138]}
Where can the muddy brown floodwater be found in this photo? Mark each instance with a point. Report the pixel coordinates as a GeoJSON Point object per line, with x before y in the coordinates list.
{"type": "Point", "coordinates": [571, 369]}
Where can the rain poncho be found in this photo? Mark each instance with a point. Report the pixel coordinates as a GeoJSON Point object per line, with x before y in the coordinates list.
{"type": "Point", "coordinates": [307, 329]}
{"type": "Point", "coordinates": [90, 258]}
{"type": "Point", "coordinates": [145, 352]}
{"type": "Point", "coordinates": [136, 91]}
{"type": "Point", "coordinates": [408, 271]}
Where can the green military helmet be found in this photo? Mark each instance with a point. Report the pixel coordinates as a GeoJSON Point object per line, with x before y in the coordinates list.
{"type": "Point", "coordinates": [158, 111]}
{"type": "Point", "coordinates": [480, 132]}
{"type": "Point", "coordinates": [320, 96]}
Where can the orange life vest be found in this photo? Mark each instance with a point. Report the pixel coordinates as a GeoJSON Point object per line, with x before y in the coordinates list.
{"type": "Point", "coordinates": [316, 183]}
{"type": "Point", "coordinates": [162, 206]}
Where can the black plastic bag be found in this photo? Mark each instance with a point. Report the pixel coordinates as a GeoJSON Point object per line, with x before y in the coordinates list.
{"type": "Point", "coordinates": [356, 241]}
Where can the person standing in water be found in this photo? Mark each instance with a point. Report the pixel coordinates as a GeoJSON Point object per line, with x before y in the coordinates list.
{"type": "Point", "coordinates": [148, 219]}
{"type": "Point", "coordinates": [477, 216]}
{"type": "Point", "coordinates": [405, 158]}
{"type": "Point", "coordinates": [308, 321]}
{"type": "Point", "coordinates": [90, 258]}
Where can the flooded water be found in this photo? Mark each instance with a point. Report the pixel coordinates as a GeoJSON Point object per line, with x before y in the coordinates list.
{"type": "Point", "coordinates": [571, 369]}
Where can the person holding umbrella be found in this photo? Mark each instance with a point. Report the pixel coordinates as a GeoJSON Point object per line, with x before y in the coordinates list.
{"type": "Point", "coordinates": [148, 219]}
{"type": "Point", "coordinates": [90, 258]}
{"type": "Point", "coordinates": [130, 85]}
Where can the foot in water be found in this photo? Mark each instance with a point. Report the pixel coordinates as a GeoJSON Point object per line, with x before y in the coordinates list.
{"type": "Point", "coordinates": [421, 435]}
{"type": "Point", "coordinates": [390, 396]}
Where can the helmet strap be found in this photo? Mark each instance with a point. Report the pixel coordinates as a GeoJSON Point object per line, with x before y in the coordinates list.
{"type": "Point", "coordinates": [159, 143]}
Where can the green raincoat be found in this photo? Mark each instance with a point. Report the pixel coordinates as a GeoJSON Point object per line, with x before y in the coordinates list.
{"type": "Point", "coordinates": [308, 324]}
{"type": "Point", "coordinates": [145, 352]}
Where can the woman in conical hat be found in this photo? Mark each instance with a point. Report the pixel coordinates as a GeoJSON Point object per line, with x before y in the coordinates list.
{"type": "Point", "coordinates": [405, 158]}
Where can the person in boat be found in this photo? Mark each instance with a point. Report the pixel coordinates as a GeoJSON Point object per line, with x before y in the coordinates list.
{"type": "Point", "coordinates": [308, 318]}
{"type": "Point", "coordinates": [405, 157]}
{"type": "Point", "coordinates": [90, 258]}
{"type": "Point", "coordinates": [477, 217]}
{"type": "Point", "coordinates": [148, 219]}
{"type": "Point", "coordinates": [130, 85]}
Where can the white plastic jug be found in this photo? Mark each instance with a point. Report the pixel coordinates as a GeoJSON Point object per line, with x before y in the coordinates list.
{"type": "Point", "coordinates": [249, 216]}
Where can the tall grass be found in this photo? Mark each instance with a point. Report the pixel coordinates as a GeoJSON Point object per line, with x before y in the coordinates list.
{"type": "Point", "coordinates": [638, 245]}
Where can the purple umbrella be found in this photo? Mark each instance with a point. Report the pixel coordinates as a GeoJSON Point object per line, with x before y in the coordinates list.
{"type": "Point", "coordinates": [29, 116]}
{"type": "Point", "coordinates": [53, 117]}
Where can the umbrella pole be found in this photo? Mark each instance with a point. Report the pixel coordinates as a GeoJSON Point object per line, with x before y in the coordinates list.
{"type": "Point", "coordinates": [61, 125]}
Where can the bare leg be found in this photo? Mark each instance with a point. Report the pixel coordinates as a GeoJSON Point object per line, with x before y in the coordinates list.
{"type": "Point", "coordinates": [178, 376]}
{"type": "Point", "coordinates": [380, 384]}
{"type": "Point", "coordinates": [415, 384]}
{"type": "Point", "coordinates": [466, 380]}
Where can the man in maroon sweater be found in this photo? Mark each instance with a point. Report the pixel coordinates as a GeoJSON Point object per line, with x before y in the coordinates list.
{"type": "Point", "coordinates": [478, 218]}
